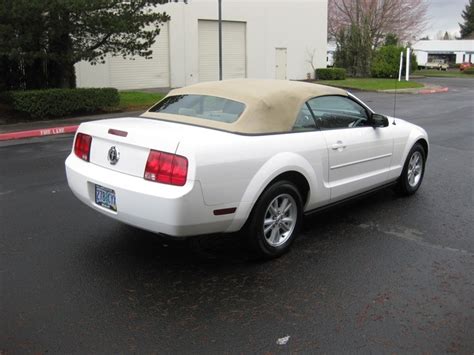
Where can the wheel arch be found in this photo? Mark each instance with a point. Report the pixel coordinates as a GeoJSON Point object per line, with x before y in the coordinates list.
{"type": "Point", "coordinates": [292, 176]}
{"type": "Point", "coordinates": [416, 135]}
{"type": "Point", "coordinates": [424, 144]}
{"type": "Point", "coordinates": [285, 166]}
{"type": "Point", "coordinates": [298, 179]}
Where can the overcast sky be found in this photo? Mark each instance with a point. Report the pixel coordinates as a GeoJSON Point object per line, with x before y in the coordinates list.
{"type": "Point", "coordinates": [444, 15]}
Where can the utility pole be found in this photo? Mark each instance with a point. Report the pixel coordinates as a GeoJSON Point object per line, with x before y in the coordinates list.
{"type": "Point", "coordinates": [400, 67]}
{"type": "Point", "coordinates": [220, 39]}
{"type": "Point", "coordinates": [407, 70]}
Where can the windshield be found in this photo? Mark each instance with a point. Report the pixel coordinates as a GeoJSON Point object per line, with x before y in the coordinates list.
{"type": "Point", "coordinates": [201, 106]}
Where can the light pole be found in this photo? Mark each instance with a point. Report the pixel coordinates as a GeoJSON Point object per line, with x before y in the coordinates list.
{"type": "Point", "coordinates": [407, 70]}
{"type": "Point", "coordinates": [220, 39]}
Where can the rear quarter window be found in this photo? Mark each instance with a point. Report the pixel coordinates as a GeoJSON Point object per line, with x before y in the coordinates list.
{"type": "Point", "coordinates": [201, 106]}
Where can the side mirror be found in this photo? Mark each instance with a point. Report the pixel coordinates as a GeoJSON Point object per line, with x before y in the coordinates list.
{"type": "Point", "coordinates": [379, 120]}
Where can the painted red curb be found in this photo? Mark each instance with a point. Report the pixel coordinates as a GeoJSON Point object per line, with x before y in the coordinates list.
{"type": "Point", "coordinates": [38, 132]}
{"type": "Point", "coordinates": [433, 91]}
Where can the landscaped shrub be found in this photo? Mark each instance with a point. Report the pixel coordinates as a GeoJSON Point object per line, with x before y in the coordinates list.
{"type": "Point", "coordinates": [331, 74]}
{"type": "Point", "coordinates": [51, 103]}
{"type": "Point", "coordinates": [469, 71]}
{"type": "Point", "coordinates": [386, 62]}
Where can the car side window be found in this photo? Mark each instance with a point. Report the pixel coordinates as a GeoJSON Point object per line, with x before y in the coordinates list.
{"type": "Point", "coordinates": [337, 112]}
{"type": "Point", "coordinates": [304, 120]}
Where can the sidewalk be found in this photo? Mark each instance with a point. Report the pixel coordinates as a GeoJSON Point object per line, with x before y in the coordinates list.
{"type": "Point", "coordinates": [54, 127]}
{"type": "Point", "coordinates": [428, 89]}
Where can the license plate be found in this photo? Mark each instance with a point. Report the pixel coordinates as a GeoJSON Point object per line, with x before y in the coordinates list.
{"type": "Point", "coordinates": [105, 197]}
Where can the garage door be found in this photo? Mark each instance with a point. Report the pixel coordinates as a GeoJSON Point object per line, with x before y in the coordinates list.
{"type": "Point", "coordinates": [143, 73]}
{"type": "Point", "coordinates": [233, 50]}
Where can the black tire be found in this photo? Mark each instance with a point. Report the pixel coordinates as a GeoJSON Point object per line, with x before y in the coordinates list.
{"type": "Point", "coordinates": [409, 181]}
{"type": "Point", "coordinates": [263, 244]}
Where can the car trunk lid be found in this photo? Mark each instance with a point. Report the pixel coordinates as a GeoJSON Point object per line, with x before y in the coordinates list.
{"type": "Point", "coordinates": [124, 144]}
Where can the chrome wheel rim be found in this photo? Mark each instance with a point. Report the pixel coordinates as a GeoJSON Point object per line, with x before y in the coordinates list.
{"type": "Point", "coordinates": [280, 220]}
{"type": "Point", "coordinates": [415, 169]}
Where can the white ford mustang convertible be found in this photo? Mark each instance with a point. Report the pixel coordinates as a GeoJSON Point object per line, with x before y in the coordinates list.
{"type": "Point", "coordinates": [250, 155]}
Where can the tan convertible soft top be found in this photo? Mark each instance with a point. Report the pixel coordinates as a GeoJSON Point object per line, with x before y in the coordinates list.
{"type": "Point", "coordinates": [271, 105]}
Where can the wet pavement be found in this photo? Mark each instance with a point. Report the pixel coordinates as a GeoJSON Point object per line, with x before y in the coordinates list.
{"type": "Point", "coordinates": [383, 274]}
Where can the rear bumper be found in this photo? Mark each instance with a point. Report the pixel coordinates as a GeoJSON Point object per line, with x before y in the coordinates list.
{"type": "Point", "coordinates": [177, 211]}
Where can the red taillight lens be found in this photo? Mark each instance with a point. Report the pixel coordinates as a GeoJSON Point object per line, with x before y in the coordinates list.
{"type": "Point", "coordinates": [166, 168]}
{"type": "Point", "coordinates": [82, 146]}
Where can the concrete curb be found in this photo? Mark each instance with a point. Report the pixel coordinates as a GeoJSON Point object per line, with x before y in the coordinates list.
{"type": "Point", "coordinates": [417, 91]}
{"type": "Point", "coordinates": [433, 91]}
{"type": "Point", "coordinates": [68, 125]}
{"type": "Point", "coordinates": [38, 132]}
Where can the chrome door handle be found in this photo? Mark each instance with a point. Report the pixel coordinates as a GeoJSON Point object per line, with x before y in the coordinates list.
{"type": "Point", "coordinates": [338, 146]}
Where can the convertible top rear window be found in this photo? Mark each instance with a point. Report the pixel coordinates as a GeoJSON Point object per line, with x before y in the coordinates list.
{"type": "Point", "coordinates": [201, 106]}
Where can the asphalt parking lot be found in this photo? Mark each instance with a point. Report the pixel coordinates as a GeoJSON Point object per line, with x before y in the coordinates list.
{"type": "Point", "coordinates": [383, 274]}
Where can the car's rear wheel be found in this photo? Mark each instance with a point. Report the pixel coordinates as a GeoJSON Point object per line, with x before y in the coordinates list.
{"type": "Point", "coordinates": [275, 220]}
{"type": "Point", "coordinates": [413, 170]}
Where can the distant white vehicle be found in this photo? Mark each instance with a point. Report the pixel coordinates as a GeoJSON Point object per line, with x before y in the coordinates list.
{"type": "Point", "coordinates": [438, 64]}
{"type": "Point", "coordinates": [252, 155]}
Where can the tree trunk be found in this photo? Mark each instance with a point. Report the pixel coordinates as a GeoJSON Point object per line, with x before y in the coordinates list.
{"type": "Point", "coordinates": [35, 75]}
{"type": "Point", "coordinates": [61, 72]}
{"type": "Point", "coordinates": [7, 79]}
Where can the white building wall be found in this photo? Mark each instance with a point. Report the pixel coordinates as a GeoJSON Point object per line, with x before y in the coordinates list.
{"type": "Point", "coordinates": [136, 72]}
{"type": "Point", "coordinates": [461, 48]}
{"type": "Point", "coordinates": [421, 57]}
{"type": "Point", "coordinates": [298, 25]}
{"type": "Point", "coordinates": [88, 75]}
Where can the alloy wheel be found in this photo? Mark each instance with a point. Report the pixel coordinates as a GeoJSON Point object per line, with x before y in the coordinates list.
{"type": "Point", "coordinates": [415, 169]}
{"type": "Point", "coordinates": [280, 220]}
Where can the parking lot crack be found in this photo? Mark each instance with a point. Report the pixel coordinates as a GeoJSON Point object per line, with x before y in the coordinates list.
{"type": "Point", "coordinates": [413, 235]}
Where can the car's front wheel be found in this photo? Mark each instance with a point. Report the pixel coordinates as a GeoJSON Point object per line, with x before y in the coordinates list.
{"type": "Point", "coordinates": [413, 170]}
{"type": "Point", "coordinates": [275, 220]}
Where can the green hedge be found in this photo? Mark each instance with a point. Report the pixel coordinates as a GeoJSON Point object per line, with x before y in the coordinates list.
{"type": "Point", "coordinates": [331, 74]}
{"type": "Point", "coordinates": [469, 71]}
{"type": "Point", "coordinates": [51, 103]}
{"type": "Point", "coordinates": [386, 62]}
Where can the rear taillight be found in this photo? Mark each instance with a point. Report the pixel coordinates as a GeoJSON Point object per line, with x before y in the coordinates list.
{"type": "Point", "coordinates": [82, 146]}
{"type": "Point", "coordinates": [166, 168]}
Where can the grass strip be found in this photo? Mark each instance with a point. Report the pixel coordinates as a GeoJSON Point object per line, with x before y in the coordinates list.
{"type": "Point", "coordinates": [371, 84]}
{"type": "Point", "coordinates": [132, 100]}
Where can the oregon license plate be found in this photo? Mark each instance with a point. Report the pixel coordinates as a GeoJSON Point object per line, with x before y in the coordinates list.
{"type": "Point", "coordinates": [105, 197]}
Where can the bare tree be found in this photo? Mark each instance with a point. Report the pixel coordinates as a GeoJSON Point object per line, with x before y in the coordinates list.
{"type": "Point", "coordinates": [445, 35]}
{"type": "Point", "coordinates": [310, 55]}
{"type": "Point", "coordinates": [404, 18]}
